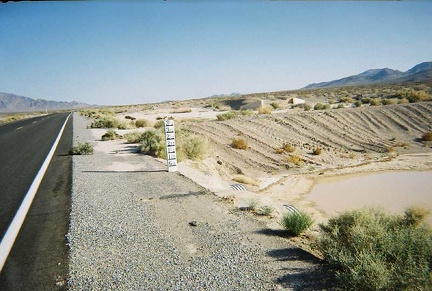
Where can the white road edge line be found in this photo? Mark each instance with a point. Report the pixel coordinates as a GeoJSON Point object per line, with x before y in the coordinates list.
{"type": "Point", "coordinates": [15, 226]}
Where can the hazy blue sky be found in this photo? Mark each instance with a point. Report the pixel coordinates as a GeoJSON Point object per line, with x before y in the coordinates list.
{"type": "Point", "coordinates": [147, 51]}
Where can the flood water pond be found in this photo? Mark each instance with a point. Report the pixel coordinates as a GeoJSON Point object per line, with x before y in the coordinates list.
{"type": "Point", "coordinates": [393, 191]}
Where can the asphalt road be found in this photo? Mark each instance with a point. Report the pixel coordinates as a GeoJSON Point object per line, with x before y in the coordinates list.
{"type": "Point", "coordinates": [38, 259]}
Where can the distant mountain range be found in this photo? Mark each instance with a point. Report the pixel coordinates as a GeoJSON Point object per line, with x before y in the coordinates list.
{"type": "Point", "coordinates": [419, 73]}
{"type": "Point", "coordinates": [14, 103]}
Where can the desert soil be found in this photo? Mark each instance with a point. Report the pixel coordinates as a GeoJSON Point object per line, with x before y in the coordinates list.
{"type": "Point", "coordinates": [353, 140]}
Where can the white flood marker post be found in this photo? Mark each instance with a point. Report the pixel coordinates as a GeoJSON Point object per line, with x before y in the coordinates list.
{"type": "Point", "coordinates": [170, 145]}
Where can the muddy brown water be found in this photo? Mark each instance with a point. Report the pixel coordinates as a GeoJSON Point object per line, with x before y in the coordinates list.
{"type": "Point", "coordinates": [394, 191]}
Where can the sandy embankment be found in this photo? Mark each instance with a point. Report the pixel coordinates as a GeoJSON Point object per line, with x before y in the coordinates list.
{"type": "Point", "coordinates": [353, 141]}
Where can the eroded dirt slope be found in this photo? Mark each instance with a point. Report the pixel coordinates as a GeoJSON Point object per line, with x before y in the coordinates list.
{"type": "Point", "coordinates": [347, 137]}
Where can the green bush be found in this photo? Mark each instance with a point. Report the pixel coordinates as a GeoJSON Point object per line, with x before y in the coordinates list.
{"type": "Point", "coordinates": [275, 105]}
{"type": "Point", "coordinates": [296, 222]}
{"type": "Point", "coordinates": [307, 107]}
{"type": "Point", "coordinates": [82, 149]}
{"type": "Point", "coordinates": [159, 124]}
{"type": "Point", "coordinates": [133, 137]}
{"type": "Point", "coordinates": [194, 147]}
{"type": "Point", "coordinates": [371, 250]}
{"type": "Point", "coordinates": [110, 135]}
{"type": "Point", "coordinates": [141, 123]}
{"type": "Point", "coordinates": [357, 104]}
{"type": "Point", "coordinates": [152, 143]}
{"type": "Point", "coordinates": [105, 122]}
{"type": "Point", "coordinates": [320, 106]}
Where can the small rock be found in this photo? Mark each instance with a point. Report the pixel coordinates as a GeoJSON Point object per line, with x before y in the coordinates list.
{"type": "Point", "coordinates": [193, 223]}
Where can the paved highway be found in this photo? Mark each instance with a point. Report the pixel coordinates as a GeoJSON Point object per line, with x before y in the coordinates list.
{"type": "Point", "coordinates": [38, 259]}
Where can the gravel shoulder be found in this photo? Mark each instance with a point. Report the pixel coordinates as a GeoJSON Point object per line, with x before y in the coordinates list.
{"type": "Point", "coordinates": [131, 229]}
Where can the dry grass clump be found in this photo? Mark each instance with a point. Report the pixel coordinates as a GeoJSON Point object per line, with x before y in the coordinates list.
{"type": "Point", "coordinates": [265, 211]}
{"type": "Point", "coordinates": [265, 110]}
{"type": "Point", "coordinates": [317, 151]}
{"type": "Point", "coordinates": [296, 160]}
{"type": "Point", "coordinates": [286, 148]}
{"type": "Point", "coordinates": [226, 116]}
{"type": "Point", "coordinates": [390, 101]}
{"type": "Point", "coordinates": [427, 136]}
{"type": "Point", "coordinates": [246, 180]}
{"type": "Point", "coordinates": [239, 143]}
{"type": "Point", "coordinates": [182, 110]}
{"type": "Point", "coordinates": [126, 125]}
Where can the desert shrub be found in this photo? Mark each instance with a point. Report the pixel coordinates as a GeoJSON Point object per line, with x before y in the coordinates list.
{"type": "Point", "coordinates": [416, 96]}
{"type": "Point", "coordinates": [152, 144]}
{"type": "Point", "coordinates": [226, 116]}
{"type": "Point", "coordinates": [133, 137]}
{"type": "Point", "coordinates": [159, 124]}
{"type": "Point", "coordinates": [365, 100]}
{"type": "Point", "coordinates": [403, 101]}
{"type": "Point", "coordinates": [252, 205]}
{"type": "Point", "coordinates": [294, 159]}
{"type": "Point", "coordinates": [427, 136]}
{"type": "Point", "coordinates": [296, 222]}
{"type": "Point", "coordinates": [375, 102]}
{"type": "Point", "coordinates": [320, 106]}
{"type": "Point", "coordinates": [275, 105]}
{"type": "Point", "coordinates": [371, 250]}
{"type": "Point", "coordinates": [317, 151]}
{"type": "Point", "coordinates": [245, 180]}
{"type": "Point", "coordinates": [286, 148]}
{"type": "Point", "coordinates": [110, 135]}
{"type": "Point", "coordinates": [126, 125]}
{"type": "Point", "coordinates": [357, 104]}
{"type": "Point", "coordinates": [105, 122]}
{"type": "Point", "coordinates": [389, 101]}
{"type": "Point", "coordinates": [194, 147]}
{"type": "Point", "coordinates": [182, 110]}
{"type": "Point", "coordinates": [340, 105]}
{"type": "Point", "coordinates": [265, 211]}
{"type": "Point", "coordinates": [264, 110]}
{"type": "Point", "coordinates": [239, 143]}
{"type": "Point", "coordinates": [307, 107]}
{"type": "Point", "coordinates": [82, 149]}
{"type": "Point", "coordinates": [141, 123]}
{"type": "Point", "coordinates": [130, 117]}
{"type": "Point", "coordinates": [415, 216]}
{"type": "Point", "coordinates": [347, 100]}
